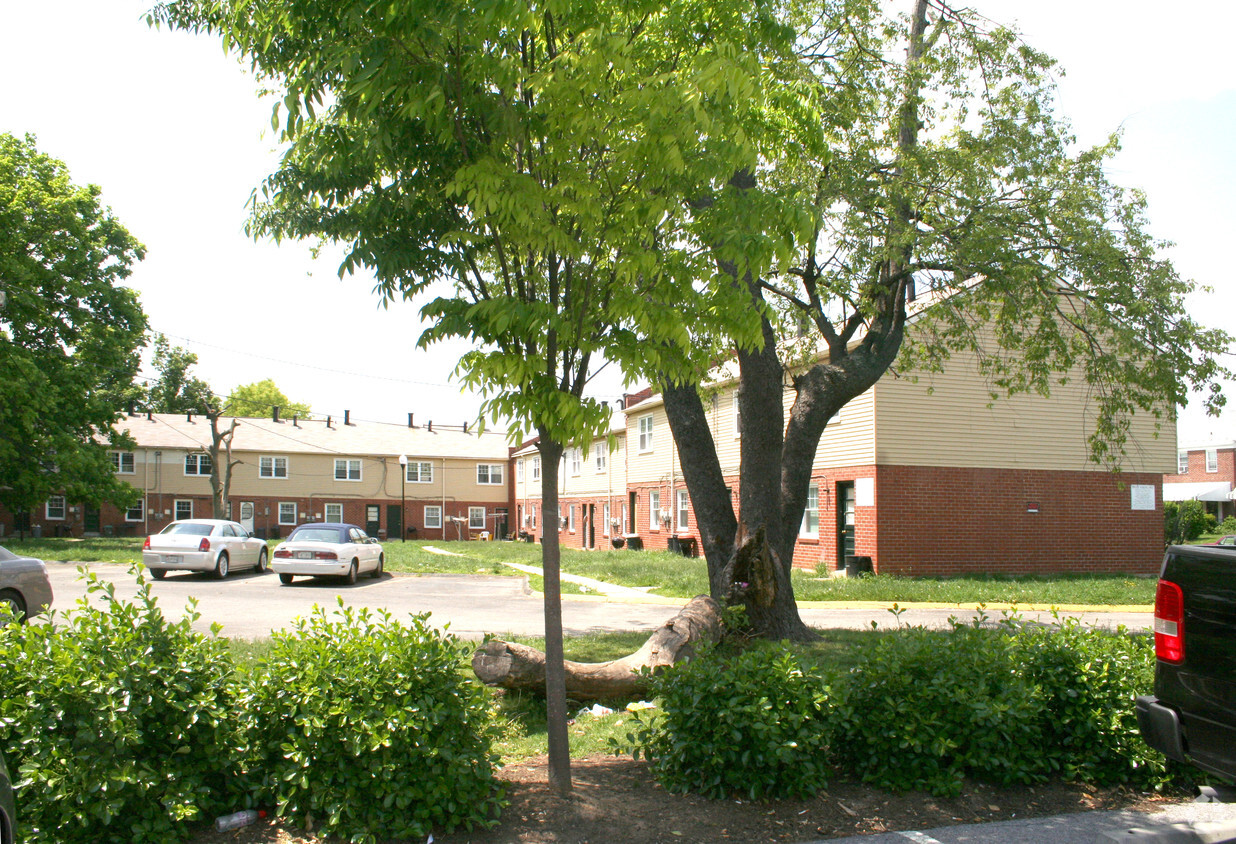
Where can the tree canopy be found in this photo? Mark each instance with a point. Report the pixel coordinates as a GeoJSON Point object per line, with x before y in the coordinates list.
{"type": "Point", "coordinates": [260, 398]}
{"type": "Point", "coordinates": [70, 334]}
{"type": "Point", "coordinates": [174, 389]}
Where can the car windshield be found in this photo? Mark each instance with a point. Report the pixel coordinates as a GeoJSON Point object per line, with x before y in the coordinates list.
{"type": "Point", "coordinates": [190, 529]}
{"type": "Point", "coordinates": [315, 535]}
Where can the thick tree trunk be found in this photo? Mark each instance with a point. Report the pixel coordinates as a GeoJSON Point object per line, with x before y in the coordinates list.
{"type": "Point", "coordinates": [514, 666]}
{"type": "Point", "coordinates": [555, 681]}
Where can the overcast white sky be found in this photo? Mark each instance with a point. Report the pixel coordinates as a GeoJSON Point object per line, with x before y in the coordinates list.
{"type": "Point", "coordinates": [172, 131]}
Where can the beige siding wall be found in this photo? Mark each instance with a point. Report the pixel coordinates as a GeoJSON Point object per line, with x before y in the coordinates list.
{"type": "Point", "coordinates": [850, 437]}
{"type": "Point", "coordinates": [945, 420]}
{"type": "Point", "coordinates": [588, 482]}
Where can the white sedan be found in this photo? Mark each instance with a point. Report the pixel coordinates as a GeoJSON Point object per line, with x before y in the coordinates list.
{"type": "Point", "coordinates": [215, 545]}
{"type": "Point", "coordinates": [328, 549]}
{"type": "Point", "coordinates": [24, 587]}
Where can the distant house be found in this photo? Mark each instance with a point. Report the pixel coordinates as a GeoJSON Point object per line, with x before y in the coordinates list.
{"type": "Point", "coordinates": [1205, 472]}
{"type": "Point", "coordinates": [455, 483]}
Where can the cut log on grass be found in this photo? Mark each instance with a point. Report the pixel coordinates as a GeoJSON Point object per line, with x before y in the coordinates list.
{"type": "Point", "coordinates": [513, 666]}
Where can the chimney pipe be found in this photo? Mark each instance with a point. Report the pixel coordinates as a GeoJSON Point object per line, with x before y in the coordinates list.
{"type": "Point", "coordinates": [410, 425]}
{"type": "Point", "coordinates": [465, 427]}
{"type": "Point", "coordinates": [347, 417]}
{"type": "Point", "coordinates": [188, 417]}
{"type": "Point", "coordinates": [431, 426]}
{"type": "Point", "coordinates": [274, 416]}
{"type": "Point", "coordinates": [295, 420]}
{"type": "Point", "coordinates": [149, 415]}
{"type": "Point", "coordinates": [327, 421]}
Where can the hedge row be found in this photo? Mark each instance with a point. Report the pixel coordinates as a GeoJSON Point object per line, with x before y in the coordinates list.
{"type": "Point", "coordinates": [122, 726]}
{"type": "Point", "coordinates": [922, 710]}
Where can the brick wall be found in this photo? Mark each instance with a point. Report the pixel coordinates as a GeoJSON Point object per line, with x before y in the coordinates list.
{"type": "Point", "coordinates": [1197, 468]}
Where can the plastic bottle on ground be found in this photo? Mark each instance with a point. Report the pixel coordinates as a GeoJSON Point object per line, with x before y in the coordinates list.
{"type": "Point", "coordinates": [238, 819]}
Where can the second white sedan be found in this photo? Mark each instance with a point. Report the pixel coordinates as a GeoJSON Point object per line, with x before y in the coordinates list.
{"type": "Point", "coordinates": [328, 549]}
{"type": "Point", "coordinates": [203, 545]}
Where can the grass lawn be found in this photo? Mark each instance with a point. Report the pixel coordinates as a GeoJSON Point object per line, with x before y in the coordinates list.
{"type": "Point", "coordinates": [674, 576]}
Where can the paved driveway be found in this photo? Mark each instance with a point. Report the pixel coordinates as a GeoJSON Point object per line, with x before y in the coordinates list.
{"type": "Point", "coordinates": [251, 605]}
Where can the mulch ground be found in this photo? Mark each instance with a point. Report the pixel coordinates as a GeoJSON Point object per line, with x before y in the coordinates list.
{"type": "Point", "coordinates": [616, 801]}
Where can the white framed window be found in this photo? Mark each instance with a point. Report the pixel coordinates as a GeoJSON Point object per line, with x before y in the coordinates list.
{"type": "Point", "coordinates": [419, 472]}
{"type": "Point", "coordinates": [605, 519]}
{"type": "Point", "coordinates": [347, 469]}
{"type": "Point", "coordinates": [624, 518]}
{"type": "Point", "coordinates": [476, 518]}
{"type": "Point", "coordinates": [532, 513]}
{"type": "Point", "coordinates": [536, 468]}
{"type": "Point", "coordinates": [571, 518]}
{"type": "Point", "coordinates": [489, 473]}
{"type": "Point", "coordinates": [272, 467]}
{"type": "Point", "coordinates": [811, 515]}
{"type": "Point", "coordinates": [577, 460]}
{"type": "Point", "coordinates": [519, 471]}
{"type": "Point", "coordinates": [1182, 463]}
{"type": "Point", "coordinates": [737, 415]}
{"type": "Point", "coordinates": [287, 512]}
{"type": "Point", "coordinates": [183, 508]}
{"type": "Point", "coordinates": [433, 516]}
{"type": "Point", "coordinates": [137, 512]}
{"type": "Point", "coordinates": [654, 510]}
{"type": "Point", "coordinates": [122, 462]}
{"type": "Point", "coordinates": [197, 464]}
{"type": "Point", "coordinates": [684, 510]}
{"type": "Point", "coordinates": [334, 512]}
{"type": "Point", "coordinates": [1212, 460]}
{"type": "Point", "coordinates": [56, 508]}
{"type": "Point", "coordinates": [600, 456]}
{"type": "Point", "coordinates": [645, 433]}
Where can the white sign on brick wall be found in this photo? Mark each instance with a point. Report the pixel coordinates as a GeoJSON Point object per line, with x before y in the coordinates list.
{"type": "Point", "coordinates": [864, 492]}
{"type": "Point", "coordinates": [1142, 496]}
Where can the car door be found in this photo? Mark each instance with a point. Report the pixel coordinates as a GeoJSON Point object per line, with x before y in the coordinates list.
{"type": "Point", "coordinates": [241, 547]}
{"type": "Point", "coordinates": [366, 551]}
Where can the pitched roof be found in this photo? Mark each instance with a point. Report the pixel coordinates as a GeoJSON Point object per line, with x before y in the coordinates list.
{"type": "Point", "coordinates": [177, 430]}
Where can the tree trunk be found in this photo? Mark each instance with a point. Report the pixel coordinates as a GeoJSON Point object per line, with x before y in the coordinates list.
{"type": "Point", "coordinates": [555, 679]}
{"type": "Point", "coordinates": [514, 666]}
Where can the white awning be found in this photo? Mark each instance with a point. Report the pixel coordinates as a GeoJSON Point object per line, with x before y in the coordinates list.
{"type": "Point", "coordinates": [1197, 492]}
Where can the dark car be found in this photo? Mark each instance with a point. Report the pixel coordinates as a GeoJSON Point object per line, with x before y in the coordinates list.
{"type": "Point", "coordinates": [8, 811]}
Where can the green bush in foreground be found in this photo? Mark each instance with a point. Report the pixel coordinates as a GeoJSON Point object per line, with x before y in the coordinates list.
{"type": "Point", "coordinates": [367, 728]}
{"type": "Point", "coordinates": [754, 724]}
{"type": "Point", "coordinates": [117, 724]}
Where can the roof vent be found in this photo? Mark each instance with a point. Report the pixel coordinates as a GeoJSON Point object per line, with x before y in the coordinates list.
{"type": "Point", "coordinates": [327, 421]}
{"type": "Point", "coordinates": [431, 426]}
{"type": "Point", "coordinates": [410, 425]}
{"type": "Point", "coordinates": [188, 417]}
{"type": "Point", "coordinates": [274, 415]}
{"type": "Point", "coordinates": [347, 417]}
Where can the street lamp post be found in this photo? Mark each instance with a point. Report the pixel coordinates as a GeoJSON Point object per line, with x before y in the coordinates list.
{"type": "Point", "coordinates": [403, 498]}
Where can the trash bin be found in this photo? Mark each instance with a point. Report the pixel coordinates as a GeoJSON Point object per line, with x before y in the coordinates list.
{"type": "Point", "coordinates": [854, 566]}
{"type": "Point", "coordinates": [634, 542]}
{"type": "Point", "coordinates": [673, 545]}
{"type": "Point", "coordinates": [37, 531]}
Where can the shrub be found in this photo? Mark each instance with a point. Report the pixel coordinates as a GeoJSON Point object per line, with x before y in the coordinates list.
{"type": "Point", "coordinates": [1184, 521]}
{"type": "Point", "coordinates": [755, 723]}
{"type": "Point", "coordinates": [368, 728]}
{"type": "Point", "coordinates": [119, 725]}
{"type": "Point", "coordinates": [926, 708]}
{"type": "Point", "coordinates": [1228, 525]}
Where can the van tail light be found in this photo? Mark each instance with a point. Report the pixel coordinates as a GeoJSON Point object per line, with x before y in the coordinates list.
{"type": "Point", "coordinates": [204, 545]}
{"type": "Point", "coordinates": [146, 544]}
{"type": "Point", "coordinates": [1169, 623]}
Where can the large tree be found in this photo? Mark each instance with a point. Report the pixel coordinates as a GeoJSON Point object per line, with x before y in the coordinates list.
{"type": "Point", "coordinates": [70, 334]}
{"type": "Point", "coordinates": [527, 159]}
{"type": "Point", "coordinates": [260, 398]}
{"type": "Point", "coordinates": [955, 194]}
{"type": "Point", "coordinates": [174, 389]}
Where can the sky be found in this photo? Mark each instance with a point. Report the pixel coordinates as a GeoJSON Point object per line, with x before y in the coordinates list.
{"type": "Point", "coordinates": [173, 132]}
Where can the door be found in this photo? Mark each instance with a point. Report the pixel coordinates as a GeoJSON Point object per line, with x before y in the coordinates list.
{"type": "Point", "coordinates": [246, 515]}
{"type": "Point", "coordinates": [91, 520]}
{"type": "Point", "coordinates": [630, 514]}
{"type": "Point", "coordinates": [501, 528]}
{"type": "Point", "coordinates": [845, 522]}
{"type": "Point", "coordinates": [372, 525]}
{"type": "Point", "coordinates": [590, 530]}
{"type": "Point", "coordinates": [394, 521]}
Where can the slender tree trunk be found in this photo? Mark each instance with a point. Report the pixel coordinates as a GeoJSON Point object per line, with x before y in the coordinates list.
{"type": "Point", "coordinates": [555, 667]}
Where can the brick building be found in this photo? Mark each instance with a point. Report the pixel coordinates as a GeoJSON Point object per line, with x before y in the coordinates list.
{"type": "Point", "coordinates": [1205, 472]}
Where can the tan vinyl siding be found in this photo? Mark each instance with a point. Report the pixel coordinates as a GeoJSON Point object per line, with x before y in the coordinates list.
{"type": "Point", "coordinates": [945, 420]}
{"type": "Point", "coordinates": [849, 439]}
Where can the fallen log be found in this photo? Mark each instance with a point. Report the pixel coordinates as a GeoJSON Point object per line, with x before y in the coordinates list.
{"type": "Point", "coordinates": [514, 666]}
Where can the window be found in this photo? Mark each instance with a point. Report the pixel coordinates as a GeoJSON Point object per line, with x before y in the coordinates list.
{"type": "Point", "coordinates": [184, 509]}
{"type": "Point", "coordinates": [606, 520]}
{"type": "Point", "coordinates": [737, 414]}
{"type": "Point", "coordinates": [684, 510]}
{"type": "Point", "coordinates": [577, 460]}
{"type": "Point", "coordinates": [645, 433]}
{"type": "Point", "coordinates": [532, 512]}
{"type": "Point", "coordinates": [347, 469]}
{"type": "Point", "coordinates": [197, 464]}
{"type": "Point", "coordinates": [519, 471]}
{"type": "Point", "coordinates": [122, 462]}
{"type": "Point", "coordinates": [811, 515]}
{"type": "Point", "coordinates": [654, 510]}
{"type": "Point", "coordinates": [600, 454]}
{"type": "Point", "coordinates": [433, 516]}
{"type": "Point", "coordinates": [476, 518]}
{"type": "Point", "coordinates": [1212, 460]}
{"type": "Point", "coordinates": [272, 467]}
{"type": "Point", "coordinates": [419, 472]}
{"type": "Point", "coordinates": [489, 473]}
{"type": "Point", "coordinates": [56, 508]}
{"type": "Point", "coordinates": [571, 518]}
{"type": "Point", "coordinates": [137, 512]}
{"type": "Point", "coordinates": [1182, 463]}
{"type": "Point", "coordinates": [334, 512]}
{"type": "Point", "coordinates": [536, 468]}
{"type": "Point", "coordinates": [287, 512]}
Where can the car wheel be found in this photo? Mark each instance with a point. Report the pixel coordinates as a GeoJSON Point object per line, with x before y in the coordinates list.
{"type": "Point", "coordinates": [261, 566]}
{"type": "Point", "coordinates": [158, 574]}
{"type": "Point", "coordinates": [14, 604]}
{"type": "Point", "coordinates": [350, 578]}
{"type": "Point", "coordinates": [285, 579]}
{"type": "Point", "coordinates": [221, 567]}
{"type": "Point", "coordinates": [377, 572]}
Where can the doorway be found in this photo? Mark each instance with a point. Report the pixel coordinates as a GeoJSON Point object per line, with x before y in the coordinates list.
{"type": "Point", "coordinates": [590, 530]}
{"type": "Point", "coordinates": [90, 520]}
{"type": "Point", "coordinates": [372, 523]}
{"type": "Point", "coordinates": [845, 522]}
{"type": "Point", "coordinates": [246, 515]}
{"type": "Point", "coordinates": [394, 521]}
